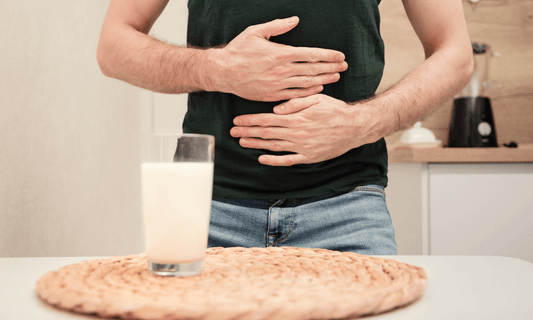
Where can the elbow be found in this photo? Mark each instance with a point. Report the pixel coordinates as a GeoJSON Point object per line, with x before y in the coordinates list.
{"type": "Point", "coordinates": [459, 58]}
{"type": "Point", "coordinates": [102, 58]}
{"type": "Point", "coordinates": [467, 67]}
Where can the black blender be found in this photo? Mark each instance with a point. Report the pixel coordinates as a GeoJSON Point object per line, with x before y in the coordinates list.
{"type": "Point", "coordinates": [472, 122]}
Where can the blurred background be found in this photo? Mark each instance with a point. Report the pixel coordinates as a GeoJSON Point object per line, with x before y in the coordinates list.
{"type": "Point", "coordinates": [69, 174]}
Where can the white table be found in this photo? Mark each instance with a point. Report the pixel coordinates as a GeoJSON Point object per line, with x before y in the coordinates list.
{"type": "Point", "coordinates": [459, 287]}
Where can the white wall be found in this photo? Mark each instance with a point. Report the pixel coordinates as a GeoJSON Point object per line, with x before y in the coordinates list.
{"type": "Point", "coordinates": [69, 180]}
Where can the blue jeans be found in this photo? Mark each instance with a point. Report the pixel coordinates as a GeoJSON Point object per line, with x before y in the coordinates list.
{"type": "Point", "coordinates": [357, 221]}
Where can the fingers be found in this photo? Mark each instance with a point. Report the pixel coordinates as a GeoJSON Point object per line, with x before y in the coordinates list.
{"type": "Point", "coordinates": [308, 69]}
{"type": "Point", "coordinates": [272, 145]}
{"type": "Point", "coordinates": [303, 76]}
{"type": "Point", "coordinates": [296, 105]}
{"type": "Point", "coordinates": [299, 54]}
{"type": "Point", "coordinates": [287, 94]}
{"type": "Point", "coordinates": [306, 79]}
{"type": "Point", "coordinates": [316, 68]}
{"type": "Point", "coordinates": [275, 133]}
{"type": "Point", "coordinates": [303, 54]}
{"type": "Point", "coordinates": [310, 81]}
{"type": "Point", "coordinates": [275, 27]}
{"type": "Point", "coordinates": [275, 145]}
{"type": "Point", "coordinates": [285, 161]}
{"type": "Point", "coordinates": [262, 120]}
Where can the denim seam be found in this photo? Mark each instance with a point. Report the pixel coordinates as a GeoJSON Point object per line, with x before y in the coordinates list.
{"type": "Point", "coordinates": [290, 229]}
{"type": "Point", "coordinates": [370, 189]}
{"type": "Point", "coordinates": [269, 224]}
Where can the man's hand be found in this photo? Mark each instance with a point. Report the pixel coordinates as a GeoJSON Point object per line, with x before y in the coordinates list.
{"type": "Point", "coordinates": [254, 68]}
{"type": "Point", "coordinates": [314, 128]}
{"type": "Point", "coordinates": [250, 66]}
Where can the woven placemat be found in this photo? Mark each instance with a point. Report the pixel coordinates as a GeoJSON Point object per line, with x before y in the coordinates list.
{"type": "Point", "coordinates": [238, 283]}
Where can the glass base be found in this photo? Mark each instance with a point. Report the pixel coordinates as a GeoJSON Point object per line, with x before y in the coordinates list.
{"type": "Point", "coordinates": [176, 270]}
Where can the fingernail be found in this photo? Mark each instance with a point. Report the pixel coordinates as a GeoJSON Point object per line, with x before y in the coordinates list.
{"type": "Point", "coordinates": [340, 57]}
{"type": "Point", "coordinates": [263, 159]}
{"type": "Point", "coordinates": [292, 20]}
{"type": "Point", "coordinates": [237, 122]}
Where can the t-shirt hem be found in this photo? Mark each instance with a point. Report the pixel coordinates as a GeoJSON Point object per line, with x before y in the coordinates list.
{"type": "Point", "coordinates": [221, 192]}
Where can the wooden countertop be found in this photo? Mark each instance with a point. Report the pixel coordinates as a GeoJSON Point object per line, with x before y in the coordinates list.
{"type": "Point", "coordinates": [401, 153]}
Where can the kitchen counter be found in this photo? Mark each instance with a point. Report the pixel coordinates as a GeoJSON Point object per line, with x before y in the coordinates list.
{"type": "Point", "coordinates": [402, 154]}
{"type": "Point", "coordinates": [459, 287]}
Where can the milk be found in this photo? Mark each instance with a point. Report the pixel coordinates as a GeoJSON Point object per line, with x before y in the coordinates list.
{"type": "Point", "coordinates": [176, 207]}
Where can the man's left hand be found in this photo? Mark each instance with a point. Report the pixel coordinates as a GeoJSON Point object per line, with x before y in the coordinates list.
{"type": "Point", "coordinates": [314, 129]}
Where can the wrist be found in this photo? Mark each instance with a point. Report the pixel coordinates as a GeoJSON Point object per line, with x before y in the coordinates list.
{"type": "Point", "coordinates": [372, 120]}
{"type": "Point", "coordinates": [214, 70]}
{"type": "Point", "coordinates": [386, 115]}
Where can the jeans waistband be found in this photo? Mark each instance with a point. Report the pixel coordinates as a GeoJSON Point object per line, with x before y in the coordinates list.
{"type": "Point", "coordinates": [267, 203]}
{"type": "Point", "coordinates": [286, 203]}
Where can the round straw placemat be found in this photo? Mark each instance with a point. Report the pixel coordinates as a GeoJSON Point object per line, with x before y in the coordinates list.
{"type": "Point", "coordinates": [238, 283]}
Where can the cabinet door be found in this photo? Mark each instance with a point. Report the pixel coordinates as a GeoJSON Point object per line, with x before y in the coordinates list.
{"type": "Point", "coordinates": [481, 209]}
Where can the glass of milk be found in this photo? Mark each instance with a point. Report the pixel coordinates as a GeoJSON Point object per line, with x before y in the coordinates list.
{"type": "Point", "coordinates": [177, 185]}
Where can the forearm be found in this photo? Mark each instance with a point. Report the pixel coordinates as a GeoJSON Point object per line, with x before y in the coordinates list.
{"type": "Point", "coordinates": [132, 56]}
{"type": "Point", "coordinates": [250, 66]}
{"type": "Point", "coordinates": [438, 78]}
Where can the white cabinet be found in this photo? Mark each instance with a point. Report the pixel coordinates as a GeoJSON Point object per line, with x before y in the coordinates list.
{"type": "Point", "coordinates": [462, 208]}
{"type": "Point", "coordinates": [479, 209]}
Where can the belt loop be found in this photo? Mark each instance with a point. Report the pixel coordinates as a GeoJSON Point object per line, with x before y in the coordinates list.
{"type": "Point", "coordinates": [275, 204]}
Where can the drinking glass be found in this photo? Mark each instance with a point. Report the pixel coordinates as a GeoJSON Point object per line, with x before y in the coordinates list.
{"type": "Point", "coordinates": [177, 185]}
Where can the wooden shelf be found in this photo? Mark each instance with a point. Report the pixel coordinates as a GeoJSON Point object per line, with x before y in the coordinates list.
{"type": "Point", "coordinates": [405, 154]}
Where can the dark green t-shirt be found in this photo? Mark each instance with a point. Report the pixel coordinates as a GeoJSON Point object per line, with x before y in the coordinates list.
{"type": "Point", "coordinates": [349, 26]}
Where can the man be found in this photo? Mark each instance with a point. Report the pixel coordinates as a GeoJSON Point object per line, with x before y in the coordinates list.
{"type": "Point", "coordinates": [287, 89]}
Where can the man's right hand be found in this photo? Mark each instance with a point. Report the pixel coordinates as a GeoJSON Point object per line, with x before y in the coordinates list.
{"type": "Point", "coordinates": [254, 68]}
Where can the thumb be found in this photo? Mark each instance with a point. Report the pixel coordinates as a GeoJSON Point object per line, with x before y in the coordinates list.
{"type": "Point", "coordinates": [276, 27]}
